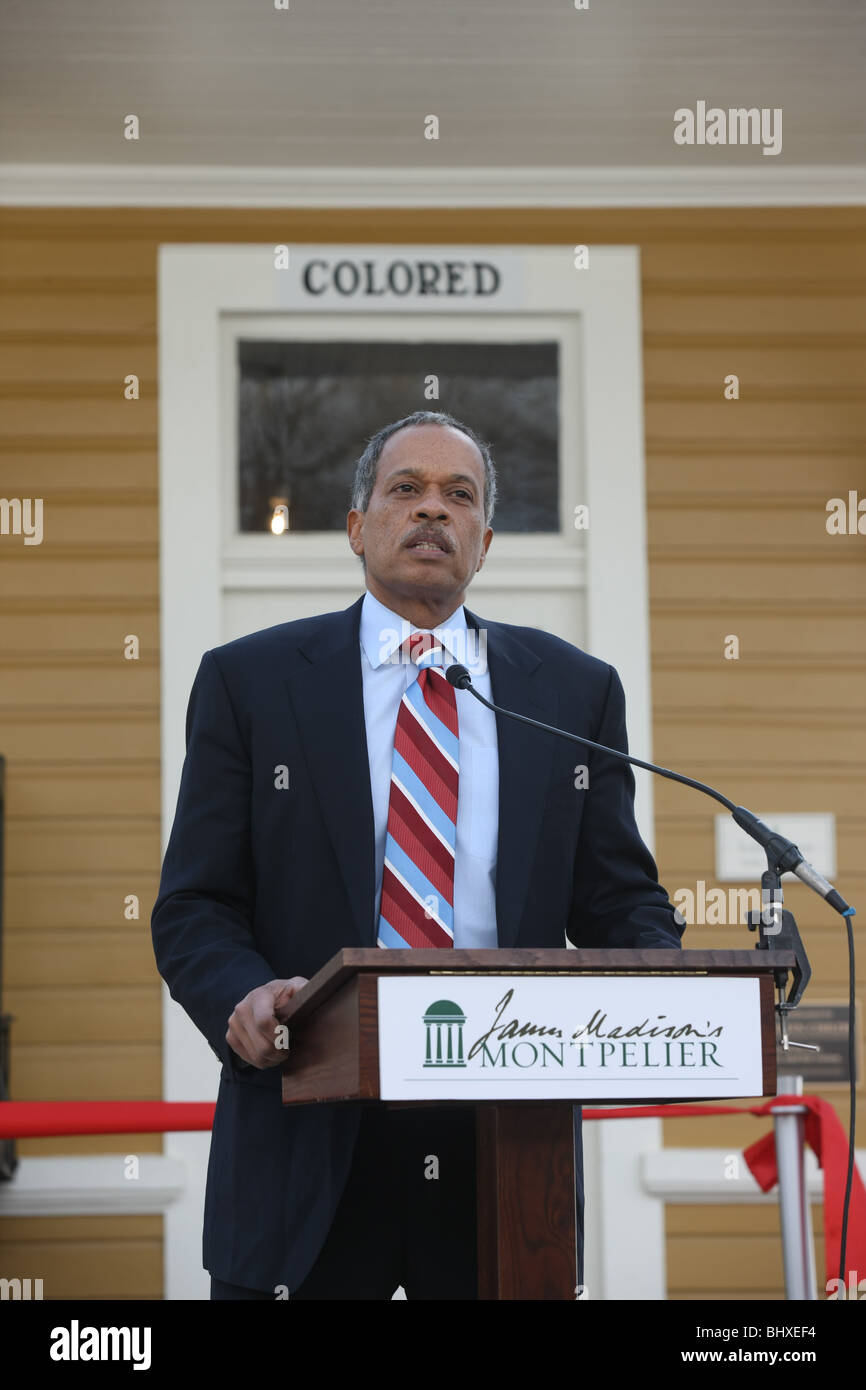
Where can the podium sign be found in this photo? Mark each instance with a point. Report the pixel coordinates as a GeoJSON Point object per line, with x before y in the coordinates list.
{"type": "Point", "coordinates": [587, 1037]}
{"type": "Point", "coordinates": [523, 1035]}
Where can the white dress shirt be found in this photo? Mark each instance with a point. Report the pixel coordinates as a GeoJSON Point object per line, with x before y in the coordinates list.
{"type": "Point", "coordinates": [385, 680]}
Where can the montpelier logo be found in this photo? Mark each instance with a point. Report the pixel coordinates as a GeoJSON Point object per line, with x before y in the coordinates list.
{"type": "Point", "coordinates": [510, 1042]}
{"type": "Point", "coordinates": [444, 1022]}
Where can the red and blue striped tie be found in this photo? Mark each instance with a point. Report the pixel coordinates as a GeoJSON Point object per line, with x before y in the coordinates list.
{"type": "Point", "coordinates": [417, 907]}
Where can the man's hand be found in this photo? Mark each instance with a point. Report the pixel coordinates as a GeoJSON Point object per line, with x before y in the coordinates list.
{"type": "Point", "coordinates": [253, 1026]}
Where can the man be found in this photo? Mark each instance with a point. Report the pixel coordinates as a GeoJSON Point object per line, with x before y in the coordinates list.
{"type": "Point", "coordinates": [332, 776]}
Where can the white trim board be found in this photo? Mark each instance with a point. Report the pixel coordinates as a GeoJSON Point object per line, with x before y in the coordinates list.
{"type": "Point", "coordinates": [92, 1185]}
{"type": "Point", "coordinates": [697, 1176]}
{"type": "Point", "coordinates": [166, 185]}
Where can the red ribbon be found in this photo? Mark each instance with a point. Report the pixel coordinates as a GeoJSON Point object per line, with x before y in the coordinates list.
{"type": "Point", "coordinates": [27, 1119]}
{"type": "Point", "coordinates": [829, 1142]}
{"type": "Point", "coordinates": [30, 1119]}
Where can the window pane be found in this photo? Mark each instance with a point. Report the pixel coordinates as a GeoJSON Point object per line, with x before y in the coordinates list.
{"type": "Point", "coordinates": [306, 411]}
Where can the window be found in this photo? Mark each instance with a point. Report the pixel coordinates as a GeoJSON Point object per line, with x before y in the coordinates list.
{"type": "Point", "coordinates": [306, 410]}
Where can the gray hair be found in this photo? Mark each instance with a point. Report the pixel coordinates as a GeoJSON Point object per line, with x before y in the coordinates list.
{"type": "Point", "coordinates": [367, 464]}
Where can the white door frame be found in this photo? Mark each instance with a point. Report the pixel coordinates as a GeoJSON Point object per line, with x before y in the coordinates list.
{"type": "Point", "coordinates": [198, 286]}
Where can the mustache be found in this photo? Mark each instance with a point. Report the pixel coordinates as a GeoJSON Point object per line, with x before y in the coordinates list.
{"type": "Point", "coordinates": [428, 533]}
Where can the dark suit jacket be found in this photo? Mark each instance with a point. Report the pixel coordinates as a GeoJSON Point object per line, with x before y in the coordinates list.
{"type": "Point", "coordinates": [260, 883]}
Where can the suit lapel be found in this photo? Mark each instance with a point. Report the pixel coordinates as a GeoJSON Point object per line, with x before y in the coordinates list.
{"type": "Point", "coordinates": [525, 754]}
{"type": "Point", "coordinates": [327, 696]}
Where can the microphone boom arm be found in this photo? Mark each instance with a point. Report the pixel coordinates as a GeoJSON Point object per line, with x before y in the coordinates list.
{"type": "Point", "coordinates": [783, 856]}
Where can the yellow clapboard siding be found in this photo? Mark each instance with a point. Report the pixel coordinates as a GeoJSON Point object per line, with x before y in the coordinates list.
{"type": "Point", "coordinates": [694, 841]}
{"type": "Point", "coordinates": [703, 367]}
{"type": "Point", "coordinates": [824, 936]}
{"type": "Point", "coordinates": [76, 900]}
{"type": "Point", "coordinates": [109, 846]}
{"type": "Point", "coordinates": [699, 1265]}
{"type": "Point", "coordinates": [736, 684]}
{"type": "Point", "coordinates": [724, 263]}
{"type": "Point", "coordinates": [797, 418]}
{"type": "Point", "coordinates": [825, 940]}
{"type": "Point", "coordinates": [717, 529]}
{"type": "Point", "coordinates": [110, 1014]}
{"type": "Point", "coordinates": [132, 572]}
{"type": "Point", "coordinates": [81, 959]}
{"type": "Point", "coordinates": [694, 1263]}
{"type": "Point", "coordinates": [69, 792]}
{"type": "Point", "coordinates": [46, 635]}
{"type": "Point", "coordinates": [814, 638]}
{"type": "Point", "coordinates": [739, 741]}
{"type": "Point", "coordinates": [797, 315]}
{"type": "Point", "coordinates": [108, 681]}
{"type": "Point", "coordinates": [114, 1267]}
{"type": "Point", "coordinates": [89, 260]}
{"type": "Point", "coordinates": [125, 737]}
{"type": "Point", "coordinates": [53, 408]}
{"type": "Point", "coordinates": [648, 226]}
{"type": "Point", "coordinates": [38, 1229]}
{"type": "Point", "coordinates": [71, 470]}
{"type": "Point", "coordinates": [741, 1293]}
{"type": "Point", "coordinates": [827, 954]}
{"type": "Point", "coordinates": [780, 577]}
{"type": "Point", "coordinates": [58, 311]}
{"type": "Point", "coordinates": [829, 966]}
{"type": "Point", "coordinates": [84, 1144]}
{"type": "Point", "coordinates": [696, 1220]}
{"type": "Point", "coordinates": [746, 477]}
{"type": "Point", "coordinates": [95, 363]}
{"type": "Point", "coordinates": [81, 523]}
{"type": "Point", "coordinates": [65, 1069]}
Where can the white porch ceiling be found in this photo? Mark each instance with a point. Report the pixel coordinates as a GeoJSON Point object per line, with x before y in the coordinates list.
{"type": "Point", "coordinates": [346, 84]}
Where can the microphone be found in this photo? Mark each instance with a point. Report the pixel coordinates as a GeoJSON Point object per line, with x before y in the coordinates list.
{"type": "Point", "coordinates": [782, 853]}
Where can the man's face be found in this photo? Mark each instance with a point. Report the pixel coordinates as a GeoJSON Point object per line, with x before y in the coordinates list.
{"type": "Point", "coordinates": [423, 534]}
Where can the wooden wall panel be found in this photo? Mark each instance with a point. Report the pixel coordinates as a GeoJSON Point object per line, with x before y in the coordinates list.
{"type": "Point", "coordinates": [96, 1257]}
{"type": "Point", "coordinates": [736, 497]}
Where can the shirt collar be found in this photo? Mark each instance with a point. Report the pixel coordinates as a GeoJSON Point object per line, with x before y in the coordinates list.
{"type": "Point", "coordinates": [383, 631]}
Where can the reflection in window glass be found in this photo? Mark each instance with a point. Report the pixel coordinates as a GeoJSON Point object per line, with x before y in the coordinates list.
{"type": "Point", "coordinates": [306, 411]}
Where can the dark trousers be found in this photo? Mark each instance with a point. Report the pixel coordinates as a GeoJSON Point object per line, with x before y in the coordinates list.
{"type": "Point", "coordinates": [407, 1215]}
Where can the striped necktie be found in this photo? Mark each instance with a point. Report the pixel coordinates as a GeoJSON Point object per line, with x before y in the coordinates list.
{"type": "Point", "coordinates": [417, 907]}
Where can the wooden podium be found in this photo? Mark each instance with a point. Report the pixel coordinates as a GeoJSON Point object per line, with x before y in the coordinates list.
{"type": "Point", "coordinates": [525, 1146]}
